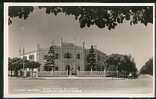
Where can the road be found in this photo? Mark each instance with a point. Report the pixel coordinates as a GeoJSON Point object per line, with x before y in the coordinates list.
{"type": "Point", "coordinates": [101, 87]}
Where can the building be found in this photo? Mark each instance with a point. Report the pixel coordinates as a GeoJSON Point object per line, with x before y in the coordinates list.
{"type": "Point", "coordinates": [68, 57]}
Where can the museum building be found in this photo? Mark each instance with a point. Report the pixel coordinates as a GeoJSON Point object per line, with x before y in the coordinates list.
{"type": "Point", "coordinates": [67, 55]}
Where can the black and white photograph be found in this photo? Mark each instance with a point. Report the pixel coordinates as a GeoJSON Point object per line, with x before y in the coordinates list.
{"type": "Point", "coordinates": [79, 50]}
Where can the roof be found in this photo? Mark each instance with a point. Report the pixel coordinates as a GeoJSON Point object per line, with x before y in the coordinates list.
{"type": "Point", "coordinates": [66, 45]}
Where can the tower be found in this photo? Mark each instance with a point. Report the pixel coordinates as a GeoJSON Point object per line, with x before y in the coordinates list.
{"type": "Point", "coordinates": [61, 53]}
{"type": "Point", "coordinates": [83, 43]}
{"type": "Point", "coordinates": [61, 41]}
{"type": "Point", "coordinates": [20, 52]}
{"type": "Point", "coordinates": [52, 42]}
{"type": "Point", "coordinates": [38, 46]}
{"type": "Point", "coordinates": [23, 52]}
{"type": "Point", "coordinates": [37, 53]}
{"type": "Point", "coordinates": [84, 56]}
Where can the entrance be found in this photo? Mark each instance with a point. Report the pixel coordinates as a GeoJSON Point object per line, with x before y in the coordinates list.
{"type": "Point", "coordinates": [68, 69]}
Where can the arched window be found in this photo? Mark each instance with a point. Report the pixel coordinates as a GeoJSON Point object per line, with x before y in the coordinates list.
{"type": "Point", "coordinates": [56, 68]}
{"type": "Point", "coordinates": [67, 55]}
{"type": "Point", "coordinates": [25, 57]}
{"type": "Point", "coordinates": [78, 56]}
{"type": "Point", "coordinates": [31, 57]}
{"type": "Point", "coordinates": [56, 55]}
{"type": "Point", "coordinates": [47, 68]}
{"type": "Point", "coordinates": [78, 68]}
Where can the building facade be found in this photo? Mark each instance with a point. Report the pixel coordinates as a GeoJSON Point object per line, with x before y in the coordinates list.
{"type": "Point", "coordinates": [68, 57]}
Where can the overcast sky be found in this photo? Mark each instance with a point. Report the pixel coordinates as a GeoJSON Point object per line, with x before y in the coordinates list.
{"type": "Point", "coordinates": [42, 29]}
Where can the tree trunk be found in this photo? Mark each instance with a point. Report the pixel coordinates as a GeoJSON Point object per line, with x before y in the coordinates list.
{"type": "Point", "coordinates": [11, 73]}
{"type": "Point", "coordinates": [16, 73]}
{"type": "Point", "coordinates": [32, 72]}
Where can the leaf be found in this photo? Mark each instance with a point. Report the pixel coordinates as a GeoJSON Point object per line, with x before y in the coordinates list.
{"type": "Point", "coordinates": [100, 16]}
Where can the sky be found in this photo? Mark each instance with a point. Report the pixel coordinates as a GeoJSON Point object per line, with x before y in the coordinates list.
{"type": "Point", "coordinates": [43, 29]}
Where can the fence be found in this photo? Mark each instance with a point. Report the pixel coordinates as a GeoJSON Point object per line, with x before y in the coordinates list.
{"type": "Point", "coordinates": [78, 74]}
{"type": "Point", "coordinates": [52, 73]}
{"type": "Point", "coordinates": [91, 73]}
{"type": "Point", "coordinates": [102, 74]}
{"type": "Point", "coordinates": [83, 74]}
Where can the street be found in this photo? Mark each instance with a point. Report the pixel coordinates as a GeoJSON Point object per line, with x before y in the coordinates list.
{"type": "Point", "coordinates": [141, 86]}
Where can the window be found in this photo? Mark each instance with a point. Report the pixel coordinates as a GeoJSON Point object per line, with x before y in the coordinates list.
{"type": "Point", "coordinates": [56, 68]}
{"type": "Point", "coordinates": [31, 57]}
{"type": "Point", "coordinates": [78, 56]}
{"type": "Point", "coordinates": [78, 68]}
{"type": "Point", "coordinates": [99, 58]}
{"type": "Point", "coordinates": [67, 55]}
{"type": "Point", "coordinates": [25, 57]}
{"type": "Point", "coordinates": [57, 56]}
{"type": "Point", "coordinates": [47, 68]}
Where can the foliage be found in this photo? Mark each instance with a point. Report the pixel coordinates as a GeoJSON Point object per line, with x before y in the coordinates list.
{"type": "Point", "coordinates": [101, 16]}
{"type": "Point", "coordinates": [117, 62]}
{"type": "Point", "coordinates": [20, 12]}
{"type": "Point", "coordinates": [147, 67]}
{"type": "Point", "coordinates": [91, 59]}
{"type": "Point", "coordinates": [16, 64]}
{"type": "Point", "coordinates": [50, 59]}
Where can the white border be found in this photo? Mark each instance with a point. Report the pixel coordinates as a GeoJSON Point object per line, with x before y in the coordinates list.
{"type": "Point", "coordinates": [5, 54]}
{"type": "Point", "coordinates": [67, 4]}
{"type": "Point", "coordinates": [154, 49]}
{"type": "Point", "coordinates": [79, 4]}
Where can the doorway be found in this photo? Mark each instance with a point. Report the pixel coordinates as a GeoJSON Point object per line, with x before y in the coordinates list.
{"type": "Point", "coordinates": [68, 69]}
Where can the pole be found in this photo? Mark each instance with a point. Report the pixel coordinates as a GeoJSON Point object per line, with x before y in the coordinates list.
{"type": "Point", "coordinates": [23, 62]}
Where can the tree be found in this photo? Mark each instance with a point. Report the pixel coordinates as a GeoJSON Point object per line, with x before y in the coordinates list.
{"type": "Point", "coordinates": [91, 59]}
{"type": "Point", "coordinates": [147, 68]}
{"type": "Point", "coordinates": [16, 64]}
{"type": "Point", "coordinates": [10, 66]}
{"type": "Point", "coordinates": [130, 64]}
{"type": "Point", "coordinates": [50, 59]}
{"type": "Point", "coordinates": [32, 65]}
{"type": "Point", "coordinates": [101, 16]}
{"type": "Point", "coordinates": [121, 63]}
{"type": "Point", "coordinates": [21, 12]}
